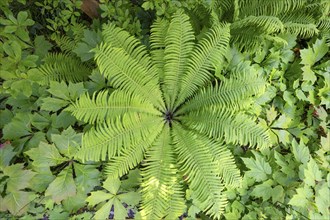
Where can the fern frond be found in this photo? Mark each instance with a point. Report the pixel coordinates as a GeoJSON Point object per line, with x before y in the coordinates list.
{"type": "Point", "coordinates": [131, 155]}
{"type": "Point", "coordinates": [107, 140]}
{"type": "Point", "coordinates": [159, 179]}
{"type": "Point", "coordinates": [302, 30]}
{"type": "Point", "coordinates": [179, 43]}
{"type": "Point", "coordinates": [221, 122]}
{"type": "Point", "coordinates": [65, 43]}
{"type": "Point", "coordinates": [198, 165]}
{"type": "Point", "coordinates": [117, 37]}
{"type": "Point", "coordinates": [159, 31]}
{"type": "Point", "coordinates": [207, 52]}
{"type": "Point", "coordinates": [249, 32]}
{"type": "Point", "coordinates": [127, 74]}
{"type": "Point", "coordinates": [271, 8]}
{"type": "Point", "coordinates": [63, 67]}
{"type": "Point", "coordinates": [104, 105]}
{"type": "Point", "coordinates": [324, 25]}
{"type": "Point", "coordinates": [228, 170]}
{"type": "Point", "coordinates": [233, 93]}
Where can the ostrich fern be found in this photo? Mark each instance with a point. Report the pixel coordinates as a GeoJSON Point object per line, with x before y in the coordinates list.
{"type": "Point", "coordinates": [168, 112]}
{"type": "Point", "coordinates": [254, 21]}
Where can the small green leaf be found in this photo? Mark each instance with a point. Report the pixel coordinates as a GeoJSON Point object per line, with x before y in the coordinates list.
{"type": "Point", "coordinates": [130, 198]}
{"type": "Point", "coordinates": [271, 114]}
{"type": "Point", "coordinates": [322, 199]}
{"type": "Point", "coordinates": [87, 177]}
{"type": "Point", "coordinates": [112, 185]}
{"type": "Point", "coordinates": [312, 173]}
{"type": "Point", "coordinates": [63, 186]}
{"type": "Point", "coordinates": [18, 178]}
{"type": "Point", "coordinates": [278, 194]}
{"type": "Point", "coordinates": [300, 151]}
{"type": "Point", "coordinates": [45, 155]}
{"type": "Point", "coordinates": [6, 154]}
{"type": "Point", "coordinates": [301, 199]}
{"type": "Point", "coordinates": [17, 202]}
{"type": "Point", "coordinates": [259, 168]}
{"type": "Point", "coordinates": [119, 210]}
{"type": "Point", "coordinates": [264, 190]}
{"type": "Point", "coordinates": [98, 197]}
{"type": "Point", "coordinates": [53, 104]}
{"type": "Point", "coordinates": [104, 211]}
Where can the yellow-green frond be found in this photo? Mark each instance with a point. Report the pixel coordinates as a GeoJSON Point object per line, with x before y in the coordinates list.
{"type": "Point", "coordinates": [131, 155]}
{"type": "Point", "coordinates": [302, 30]}
{"type": "Point", "coordinates": [103, 105]}
{"type": "Point", "coordinates": [117, 37]}
{"type": "Point", "coordinates": [127, 74]}
{"type": "Point", "coordinates": [63, 67]}
{"type": "Point", "coordinates": [160, 179]}
{"type": "Point", "coordinates": [159, 31]}
{"type": "Point", "coordinates": [228, 170]}
{"type": "Point", "coordinates": [198, 165]}
{"type": "Point", "coordinates": [179, 42]}
{"type": "Point", "coordinates": [249, 32]}
{"type": "Point", "coordinates": [233, 93]}
{"type": "Point", "coordinates": [272, 8]}
{"type": "Point", "coordinates": [206, 53]}
{"type": "Point", "coordinates": [222, 123]}
{"type": "Point", "coordinates": [107, 140]}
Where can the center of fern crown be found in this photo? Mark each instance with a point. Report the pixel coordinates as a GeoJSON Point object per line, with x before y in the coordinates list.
{"type": "Point", "coordinates": [168, 116]}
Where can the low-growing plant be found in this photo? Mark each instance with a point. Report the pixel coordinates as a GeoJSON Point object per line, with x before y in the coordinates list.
{"type": "Point", "coordinates": [170, 114]}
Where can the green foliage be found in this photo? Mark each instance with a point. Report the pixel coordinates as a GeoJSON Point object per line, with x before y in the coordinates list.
{"type": "Point", "coordinates": [183, 117]}
{"type": "Point", "coordinates": [131, 121]}
{"type": "Point", "coordinates": [255, 21]}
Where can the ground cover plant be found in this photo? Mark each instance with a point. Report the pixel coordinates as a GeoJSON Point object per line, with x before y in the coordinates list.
{"type": "Point", "coordinates": [164, 110]}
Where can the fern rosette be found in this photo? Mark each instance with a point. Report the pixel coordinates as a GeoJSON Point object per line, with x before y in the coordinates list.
{"type": "Point", "coordinates": [170, 113]}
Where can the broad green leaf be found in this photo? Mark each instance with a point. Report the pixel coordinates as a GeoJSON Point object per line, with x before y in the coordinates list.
{"type": "Point", "coordinates": [17, 202]}
{"type": "Point", "coordinates": [302, 198]}
{"type": "Point", "coordinates": [278, 194]}
{"type": "Point", "coordinates": [271, 114]}
{"type": "Point", "coordinates": [18, 178]}
{"type": "Point", "coordinates": [98, 197]}
{"type": "Point", "coordinates": [112, 185]}
{"type": "Point", "coordinates": [87, 177]}
{"type": "Point", "coordinates": [287, 96]}
{"type": "Point", "coordinates": [312, 173]}
{"type": "Point", "coordinates": [300, 151]}
{"type": "Point", "coordinates": [67, 142]}
{"type": "Point", "coordinates": [258, 167]}
{"type": "Point", "coordinates": [18, 127]}
{"type": "Point", "coordinates": [22, 86]}
{"type": "Point", "coordinates": [74, 203]}
{"type": "Point", "coordinates": [42, 46]}
{"type": "Point", "coordinates": [310, 56]}
{"type": "Point", "coordinates": [53, 104]}
{"type": "Point", "coordinates": [58, 213]}
{"type": "Point", "coordinates": [104, 211]}
{"type": "Point", "coordinates": [42, 179]}
{"type": "Point", "coordinates": [76, 90]}
{"type": "Point", "coordinates": [63, 186]}
{"type": "Point", "coordinates": [322, 199]}
{"type": "Point", "coordinates": [59, 90]}
{"type": "Point", "coordinates": [40, 121]}
{"type": "Point", "coordinates": [5, 117]}
{"type": "Point", "coordinates": [119, 210]}
{"type": "Point", "coordinates": [308, 74]}
{"type": "Point", "coordinates": [264, 190]}
{"type": "Point", "coordinates": [6, 154]}
{"type": "Point", "coordinates": [325, 142]}
{"type": "Point", "coordinates": [45, 155]}
{"type": "Point", "coordinates": [130, 198]}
